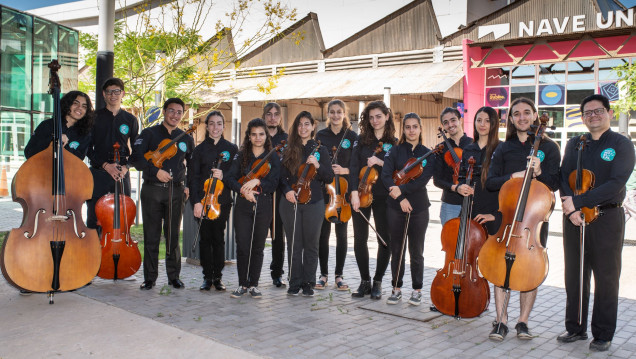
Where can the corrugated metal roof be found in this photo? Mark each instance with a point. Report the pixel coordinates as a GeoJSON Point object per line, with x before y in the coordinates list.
{"type": "Point", "coordinates": [403, 79]}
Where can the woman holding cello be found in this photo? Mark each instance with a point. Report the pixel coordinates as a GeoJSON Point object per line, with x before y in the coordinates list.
{"type": "Point", "coordinates": [306, 168]}
{"type": "Point", "coordinates": [253, 212]}
{"type": "Point", "coordinates": [377, 136]}
{"type": "Point", "coordinates": [509, 161]}
{"type": "Point", "coordinates": [212, 158]}
{"type": "Point", "coordinates": [338, 135]}
{"type": "Point", "coordinates": [408, 207]}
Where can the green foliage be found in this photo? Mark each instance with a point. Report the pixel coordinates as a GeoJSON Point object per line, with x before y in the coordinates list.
{"type": "Point", "coordinates": [627, 88]}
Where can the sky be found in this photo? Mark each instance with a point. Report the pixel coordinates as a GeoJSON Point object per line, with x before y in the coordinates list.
{"type": "Point", "coordinates": [31, 4]}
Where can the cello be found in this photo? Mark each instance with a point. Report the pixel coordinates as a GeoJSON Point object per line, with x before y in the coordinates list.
{"type": "Point", "coordinates": [452, 157]}
{"type": "Point", "coordinates": [458, 289]}
{"type": "Point", "coordinates": [120, 254]}
{"type": "Point", "coordinates": [52, 251]}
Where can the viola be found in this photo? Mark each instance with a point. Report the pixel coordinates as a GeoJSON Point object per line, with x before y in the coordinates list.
{"type": "Point", "coordinates": [261, 167]}
{"type": "Point", "coordinates": [582, 180]}
{"type": "Point", "coordinates": [120, 253]}
{"type": "Point", "coordinates": [338, 210]}
{"type": "Point", "coordinates": [306, 173]}
{"type": "Point", "coordinates": [514, 258]}
{"type": "Point", "coordinates": [458, 289]}
{"type": "Point", "coordinates": [52, 250]}
{"type": "Point", "coordinates": [167, 149]}
{"type": "Point", "coordinates": [368, 177]}
{"type": "Point", "coordinates": [412, 169]}
{"type": "Point", "coordinates": [213, 188]}
{"type": "Point", "coordinates": [452, 157]}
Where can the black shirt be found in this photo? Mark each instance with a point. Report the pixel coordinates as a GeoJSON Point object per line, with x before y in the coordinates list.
{"type": "Point", "coordinates": [204, 158]}
{"type": "Point", "coordinates": [324, 173]}
{"type": "Point", "coordinates": [149, 140]}
{"type": "Point", "coordinates": [359, 157]}
{"type": "Point", "coordinates": [443, 175]}
{"type": "Point", "coordinates": [43, 135]}
{"type": "Point", "coordinates": [279, 137]}
{"type": "Point", "coordinates": [512, 156]}
{"type": "Point", "coordinates": [611, 158]}
{"type": "Point", "coordinates": [329, 139]}
{"type": "Point", "coordinates": [109, 129]}
{"type": "Point", "coordinates": [268, 183]}
{"type": "Point", "coordinates": [415, 190]}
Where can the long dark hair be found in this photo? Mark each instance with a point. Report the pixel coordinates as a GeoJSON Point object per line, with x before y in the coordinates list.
{"type": "Point", "coordinates": [267, 108]}
{"type": "Point", "coordinates": [345, 121]}
{"type": "Point", "coordinates": [510, 127]}
{"type": "Point", "coordinates": [493, 139]}
{"type": "Point", "coordinates": [84, 124]}
{"type": "Point", "coordinates": [207, 119]}
{"type": "Point", "coordinates": [294, 151]}
{"type": "Point", "coordinates": [246, 147]}
{"type": "Point", "coordinates": [419, 121]}
{"type": "Point", "coordinates": [367, 134]}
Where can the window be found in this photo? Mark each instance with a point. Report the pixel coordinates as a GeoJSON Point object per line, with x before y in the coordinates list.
{"type": "Point", "coordinates": [581, 70]}
{"type": "Point", "coordinates": [15, 70]}
{"type": "Point", "coordinates": [552, 73]}
{"type": "Point", "coordinates": [523, 75]}
{"type": "Point", "coordinates": [44, 50]}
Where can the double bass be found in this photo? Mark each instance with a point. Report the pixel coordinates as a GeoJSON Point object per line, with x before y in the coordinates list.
{"type": "Point", "coordinates": [52, 251]}
{"type": "Point", "coordinates": [458, 289]}
{"type": "Point", "coordinates": [120, 254]}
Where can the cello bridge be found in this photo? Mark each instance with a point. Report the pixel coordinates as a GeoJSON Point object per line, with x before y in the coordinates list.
{"type": "Point", "coordinates": [70, 213]}
{"type": "Point", "coordinates": [58, 218]}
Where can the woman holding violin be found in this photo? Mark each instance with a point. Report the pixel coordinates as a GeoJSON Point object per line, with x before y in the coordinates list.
{"type": "Point", "coordinates": [377, 137]}
{"type": "Point", "coordinates": [509, 160]}
{"type": "Point", "coordinates": [253, 212]}
{"type": "Point", "coordinates": [447, 168]}
{"type": "Point", "coordinates": [408, 207]}
{"type": "Point", "coordinates": [609, 158]}
{"type": "Point", "coordinates": [211, 159]}
{"type": "Point", "coordinates": [303, 208]}
{"type": "Point", "coordinates": [338, 135]}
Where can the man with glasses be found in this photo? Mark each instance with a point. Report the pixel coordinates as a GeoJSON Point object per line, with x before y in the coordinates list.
{"type": "Point", "coordinates": [163, 192]}
{"type": "Point", "coordinates": [610, 156]}
{"type": "Point", "coordinates": [112, 124]}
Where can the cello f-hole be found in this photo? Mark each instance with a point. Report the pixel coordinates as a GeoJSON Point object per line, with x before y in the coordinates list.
{"type": "Point", "coordinates": [35, 226]}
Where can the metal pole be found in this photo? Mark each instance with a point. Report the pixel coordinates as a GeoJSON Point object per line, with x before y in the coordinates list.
{"type": "Point", "coordinates": [105, 48]}
{"type": "Point", "coordinates": [387, 96]}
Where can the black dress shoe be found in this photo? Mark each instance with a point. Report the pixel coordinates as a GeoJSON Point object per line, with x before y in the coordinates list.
{"type": "Point", "coordinates": [363, 289]}
{"type": "Point", "coordinates": [376, 290]}
{"type": "Point", "coordinates": [218, 285]}
{"type": "Point", "coordinates": [567, 337]}
{"type": "Point", "coordinates": [207, 285]}
{"type": "Point", "coordinates": [600, 345]}
{"type": "Point", "coordinates": [147, 285]}
{"type": "Point", "coordinates": [176, 283]}
{"type": "Point", "coordinates": [278, 282]}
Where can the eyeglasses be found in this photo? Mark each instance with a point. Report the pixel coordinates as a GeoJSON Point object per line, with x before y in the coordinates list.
{"type": "Point", "coordinates": [599, 111]}
{"type": "Point", "coordinates": [116, 92]}
{"type": "Point", "coordinates": [174, 112]}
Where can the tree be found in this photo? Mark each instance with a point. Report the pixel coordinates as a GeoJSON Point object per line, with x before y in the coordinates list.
{"type": "Point", "coordinates": [161, 50]}
{"type": "Point", "coordinates": [626, 89]}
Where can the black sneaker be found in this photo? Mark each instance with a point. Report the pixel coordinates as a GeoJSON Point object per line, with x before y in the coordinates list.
{"type": "Point", "coordinates": [238, 292]}
{"type": "Point", "coordinates": [293, 291]}
{"type": "Point", "coordinates": [395, 298]}
{"type": "Point", "coordinates": [363, 289]}
{"type": "Point", "coordinates": [255, 293]}
{"type": "Point", "coordinates": [279, 282]}
{"type": "Point", "coordinates": [416, 298]}
{"type": "Point", "coordinates": [523, 332]}
{"type": "Point", "coordinates": [499, 332]}
{"type": "Point", "coordinates": [308, 291]}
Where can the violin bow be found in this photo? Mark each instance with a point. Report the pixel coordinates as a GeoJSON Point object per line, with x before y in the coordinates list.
{"type": "Point", "coordinates": [335, 154]}
{"type": "Point", "coordinates": [169, 235]}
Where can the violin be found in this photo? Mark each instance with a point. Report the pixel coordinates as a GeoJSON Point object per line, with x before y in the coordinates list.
{"type": "Point", "coordinates": [368, 177]}
{"type": "Point", "coordinates": [514, 258]}
{"type": "Point", "coordinates": [213, 188]}
{"type": "Point", "coordinates": [52, 250]}
{"type": "Point", "coordinates": [338, 210]}
{"type": "Point", "coordinates": [167, 149]}
{"type": "Point", "coordinates": [261, 167]}
{"type": "Point", "coordinates": [582, 180]}
{"type": "Point", "coordinates": [458, 289]}
{"type": "Point", "coordinates": [452, 157]}
{"type": "Point", "coordinates": [306, 173]}
{"type": "Point", "coordinates": [120, 254]}
{"type": "Point", "coordinates": [412, 169]}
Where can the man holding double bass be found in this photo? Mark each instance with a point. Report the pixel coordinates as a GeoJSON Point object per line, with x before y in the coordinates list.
{"type": "Point", "coordinates": [610, 156]}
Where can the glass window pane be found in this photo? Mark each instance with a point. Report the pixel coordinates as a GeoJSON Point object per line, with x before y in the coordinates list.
{"type": "Point", "coordinates": [15, 71]}
{"type": "Point", "coordinates": [67, 47]}
{"type": "Point", "coordinates": [605, 67]}
{"type": "Point", "coordinates": [15, 131]}
{"type": "Point", "coordinates": [578, 91]}
{"type": "Point", "coordinates": [44, 50]}
{"type": "Point", "coordinates": [581, 70]}
{"type": "Point", "coordinates": [523, 75]}
{"type": "Point", "coordinates": [497, 76]}
{"type": "Point", "coordinates": [522, 91]}
{"type": "Point", "coordinates": [555, 114]}
{"type": "Point", "coordinates": [552, 73]}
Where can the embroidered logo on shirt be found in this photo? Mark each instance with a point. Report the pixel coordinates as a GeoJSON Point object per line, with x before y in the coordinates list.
{"type": "Point", "coordinates": [124, 129]}
{"type": "Point", "coordinates": [608, 154]}
{"type": "Point", "coordinates": [346, 144]}
{"type": "Point", "coordinates": [74, 145]}
{"type": "Point", "coordinates": [138, 141]}
{"type": "Point", "coordinates": [183, 147]}
{"type": "Point", "coordinates": [540, 155]}
{"type": "Point", "coordinates": [386, 147]}
{"type": "Point", "coordinates": [355, 143]}
{"type": "Point", "coordinates": [225, 155]}
{"type": "Point", "coordinates": [317, 155]}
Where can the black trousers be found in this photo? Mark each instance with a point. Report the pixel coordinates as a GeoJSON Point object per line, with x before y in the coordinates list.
{"type": "Point", "coordinates": [103, 184]}
{"type": "Point", "coordinates": [361, 237]}
{"type": "Point", "coordinates": [602, 257]}
{"type": "Point", "coordinates": [415, 236]}
{"type": "Point", "coordinates": [155, 203]}
{"type": "Point", "coordinates": [341, 245]}
{"type": "Point", "coordinates": [303, 257]}
{"type": "Point", "coordinates": [212, 244]}
{"type": "Point", "coordinates": [278, 239]}
{"type": "Point", "coordinates": [249, 248]}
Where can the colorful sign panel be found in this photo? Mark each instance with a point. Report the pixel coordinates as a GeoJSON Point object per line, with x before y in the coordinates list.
{"type": "Point", "coordinates": [609, 90]}
{"type": "Point", "coordinates": [551, 95]}
{"type": "Point", "coordinates": [497, 97]}
{"type": "Point", "coordinates": [573, 119]}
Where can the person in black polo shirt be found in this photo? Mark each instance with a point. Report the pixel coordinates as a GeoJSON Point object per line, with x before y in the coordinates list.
{"type": "Point", "coordinates": [205, 157]}
{"type": "Point", "coordinates": [76, 126]}
{"type": "Point", "coordinates": [156, 203]}
{"type": "Point", "coordinates": [443, 177]}
{"type": "Point", "coordinates": [610, 156]}
{"type": "Point", "coordinates": [112, 124]}
{"type": "Point", "coordinates": [273, 116]}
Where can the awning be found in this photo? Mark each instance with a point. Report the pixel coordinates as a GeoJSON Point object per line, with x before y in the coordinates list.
{"type": "Point", "coordinates": [426, 78]}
